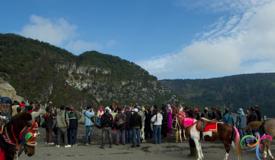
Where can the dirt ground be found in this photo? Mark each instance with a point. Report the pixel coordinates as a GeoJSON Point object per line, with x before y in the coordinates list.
{"type": "Point", "coordinates": [147, 151]}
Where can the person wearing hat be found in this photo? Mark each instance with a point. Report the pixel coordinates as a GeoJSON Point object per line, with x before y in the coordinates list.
{"type": "Point", "coordinates": [241, 121]}
{"type": "Point", "coordinates": [135, 125]}
{"type": "Point", "coordinates": [106, 124]}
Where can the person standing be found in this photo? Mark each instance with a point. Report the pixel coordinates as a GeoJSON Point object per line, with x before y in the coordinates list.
{"type": "Point", "coordinates": [135, 125]}
{"type": "Point", "coordinates": [170, 120]}
{"type": "Point", "coordinates": [157, 122]}
{"type": "Point", "coordinates": [119, 122]}
{"type": "Point", "coordinates": [106, 123]}
{"type": "Point", "coordinates": [73, 125]}
{"type": "Point", "coordinates": [241, 122]}
{"type": "Point", "coordinates": [88, 114]}
{"type": "Point", "coordinates": [49, 124]}
{"type": "Point", "coordinates": [141, 112]}
{"type": "Point", "coordinates": [62, 126]}
{"type": "Point", "coordinates": [128, 132]}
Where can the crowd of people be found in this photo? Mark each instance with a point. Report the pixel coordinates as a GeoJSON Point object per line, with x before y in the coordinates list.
{"type": "Point", "coordinates": [123, 125]}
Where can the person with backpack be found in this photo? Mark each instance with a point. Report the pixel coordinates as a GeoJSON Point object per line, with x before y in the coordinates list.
{"type": "Point", "coordinates": [120, 120]}
{"type": "Point", "coordinates": [88, 114]}
{"type": "Point", "coordinates": [106, 124]}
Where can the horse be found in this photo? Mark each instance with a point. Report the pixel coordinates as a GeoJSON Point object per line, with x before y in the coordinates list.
{"type": "Point", "coordinates": [219, 131]}
{"type": "Point", "coordinates": [19, 134]}
{"type": "Point", "coordinates": [266, 127]}
{"type": "Point", "coordinates": [178, 116]}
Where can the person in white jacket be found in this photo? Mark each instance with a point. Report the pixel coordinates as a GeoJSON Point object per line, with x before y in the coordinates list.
{"type": "Point", "coordinates": [157, 122]}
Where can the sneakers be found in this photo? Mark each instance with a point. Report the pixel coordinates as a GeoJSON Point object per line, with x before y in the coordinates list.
{"type": "Point", "coordinates": [68, 146]}
{"type": "Point", "coordinates": [58, 146]}
{"type": "Point", "coordinates": [51, 143]}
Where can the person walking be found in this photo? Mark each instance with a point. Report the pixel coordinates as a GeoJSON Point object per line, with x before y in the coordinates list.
{"type": "Point", "coordinates": [106, 123]}
{"type": "Point", "coordinates": [88, 114]}
{"type": "Point", "coordinates": [157, 122]}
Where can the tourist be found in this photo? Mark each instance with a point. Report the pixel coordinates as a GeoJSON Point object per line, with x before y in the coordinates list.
{"type": "Point", "coordinates": [49, 124]}
{"type": "Point", "coordinates": [142, 115]}
{"type": "Point", "coordinates": [241, 122]}
{"type": "Point", "coordinates": [128, 131]}
{"type": "Point", "coordinates": [73, 125]}
{"type": "Point", "coordinates": [135, 125]}
{"type": "Point", "coordinates": [62, 126]}
{"type": "Point", "coordinates": [157, 122]}
{"type": "Point", "coordinates": [169, 119]}
{"type": "Point", "coordinates": [228, 118]}
{"type": "Point", "coordinates": [88, 114]}
{"type": "Point", "coordinates": [106, 123]}
{"type": "Point", "coordinates": [148, 130]}
{"type": "Point", "coordinates": [119, 122]}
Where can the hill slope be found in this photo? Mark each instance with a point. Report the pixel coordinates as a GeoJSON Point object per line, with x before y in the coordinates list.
{"type": "Point", "coordinates": [235, 91]}
{"type": "Point", "coordinates": [40, 71]}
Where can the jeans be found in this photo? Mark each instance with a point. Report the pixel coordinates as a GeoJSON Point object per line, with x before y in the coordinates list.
{"type": "Point", "coordinates": [136, 136]}
{"type": "Point", "coordinates": [49, 134]}
{"type": "Point", "coordinates": [128, 136]}
{"type": "Point", "coordinates": [88, 134]}
{"type": "Point", "coordinates": [106, 131]}
{"type": "Point", "coordinates": [157, 134]}
{"type": "Point", "coordinates": [120, 136]}
{"type": "Point", "coordinates": [72, 136]}
{"type": "Point", "coordinates": [62, 134]}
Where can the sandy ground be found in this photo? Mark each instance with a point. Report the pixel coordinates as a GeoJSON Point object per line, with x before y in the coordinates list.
{"type": "Point", "coordinates": [147, 151]}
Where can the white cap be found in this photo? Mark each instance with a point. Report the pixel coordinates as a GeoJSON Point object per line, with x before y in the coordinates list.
{"type": "Point", "coordinates": [135, 110]}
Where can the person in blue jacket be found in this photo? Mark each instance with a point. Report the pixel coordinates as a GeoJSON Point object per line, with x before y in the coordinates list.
{"type": "Point", "coordinates": [88, 114]}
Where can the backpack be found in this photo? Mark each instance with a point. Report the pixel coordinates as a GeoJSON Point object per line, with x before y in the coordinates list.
{"type": "Point", "coordinates": [97, 121]}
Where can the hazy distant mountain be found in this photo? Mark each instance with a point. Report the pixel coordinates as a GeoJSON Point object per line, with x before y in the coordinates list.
{"type": "Point", "coordinates": [233, 91]}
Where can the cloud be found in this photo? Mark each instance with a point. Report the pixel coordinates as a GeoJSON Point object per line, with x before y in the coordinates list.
{"type": "Point", "coordinates": [243, 43]}
{"type": "Point", "coordinates": [221, 5]}
{"type": "Point", "coordinates": [56, 32]}
{"type": "Point", "coordinates": [61, 33]}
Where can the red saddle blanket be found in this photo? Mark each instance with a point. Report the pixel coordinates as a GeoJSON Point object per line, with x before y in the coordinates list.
{"type": "Point", "coordinates": [211, 127]}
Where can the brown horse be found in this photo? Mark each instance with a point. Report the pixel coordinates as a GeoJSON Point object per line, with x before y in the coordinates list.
{"type": "Point", "coordinates": [223, 132]}
{"type": "Point", "coordinates": [19, 133]}
{"type": "Point", "coordinates": [264, 127]}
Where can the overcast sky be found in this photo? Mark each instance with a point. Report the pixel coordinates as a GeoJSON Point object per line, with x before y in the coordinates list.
{"type": "Point", "coordinates": [169, 38]}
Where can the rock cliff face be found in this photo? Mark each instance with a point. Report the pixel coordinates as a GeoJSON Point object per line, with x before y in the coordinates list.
{"type": "Point", "coordinates": [40, 71]}
{"type": "Point", "coordinates": [6, 90]}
